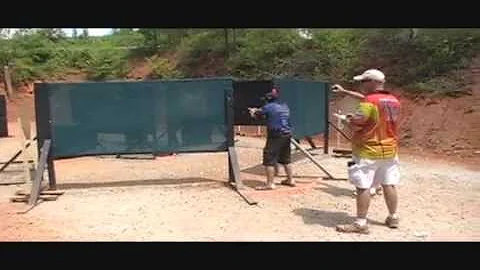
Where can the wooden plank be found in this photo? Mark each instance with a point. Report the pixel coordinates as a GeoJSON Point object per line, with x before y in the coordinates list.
{"type": "Point", "coordinates": [15, 162]}
{"type": "Point", "coordinates": [311, 142]}
{"type": "Point", "coordinates": [309, 156]}
{"type": "Point", "coordinates": [15, 156]}
{"type": "Point", "coordinates": [137, 157]}
{"type": "Point", "coordinates": [48, 197]}
{"type": "Point", "coordinates": [30, 207]}
{"type": "Point", "coordinates": [42, 163]}
{"type": "Point", "coordinates": [27, 198]}
{"type": "Point", "coordinates": [234, 172]}
{"type": "Point", "coordinates": [15, 182]}
{"type": "Point", "coordinates": [246, 198]}
{"type": "Point", "coordinates": [339, 131]}
{"type": "Point", "coordinates": [24, 129]}
{"type": "Point", "coordinates": [234, 168]}
{"type": "Point", "coordinates": [43, 192]}
{"type": "Point", "coordinates": [342, 151]}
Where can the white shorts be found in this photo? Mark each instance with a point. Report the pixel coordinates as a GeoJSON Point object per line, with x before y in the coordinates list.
{"type": "Point", "coordinates": [368, 173]}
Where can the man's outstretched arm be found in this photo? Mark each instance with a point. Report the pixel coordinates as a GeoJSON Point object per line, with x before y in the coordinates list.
{"type": "Point", "coordinates": [338, 88]}
{"type": "Point", "coordinates": [255, 112]}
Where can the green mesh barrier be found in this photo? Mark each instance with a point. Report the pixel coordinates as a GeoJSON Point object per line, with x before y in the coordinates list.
{"type": "Point", "coordinates": [135, 117]}
{"type": "Point", "coordinates": [308, 105]}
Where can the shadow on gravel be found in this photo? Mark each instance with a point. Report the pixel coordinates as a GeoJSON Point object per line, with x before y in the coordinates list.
{"type": "Point", "coordinates": [324, 218]}
{"type": "Point", "coordinates": [146, 182]}
{"type": "Point", "coordinates": [253, 183]}
{"type": "Point", "coordinates": [260, 170]}
{"type": "Point", "coordinates": [328, 218]}
{"type": "Point", "coordinates": [336, 191]}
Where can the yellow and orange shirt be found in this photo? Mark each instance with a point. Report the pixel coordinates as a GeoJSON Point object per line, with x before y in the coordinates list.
{"type": "Point", "coordinates": [375, 126]}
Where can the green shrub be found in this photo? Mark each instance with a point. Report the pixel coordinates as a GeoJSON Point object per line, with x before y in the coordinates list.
{"type": "Point", "coordinates": [264, 53]}
{"type": "Point", "coordinates": [450, 84]}
{"type": "Point", "coordinates": [162, 68]}
{"type": "Point", "coordinates": [421, 57]}
{"type": "Point", "coordinates": [425, 59]}
{"type": "Point", "coordinates": [107, 65]}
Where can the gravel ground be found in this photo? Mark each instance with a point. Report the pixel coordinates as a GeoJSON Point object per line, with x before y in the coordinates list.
{"type": "Point", "coordinates": [185, 198]}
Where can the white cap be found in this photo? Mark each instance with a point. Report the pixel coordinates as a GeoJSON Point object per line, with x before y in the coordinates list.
{"type": "Point", "coordinates": [371, 74]}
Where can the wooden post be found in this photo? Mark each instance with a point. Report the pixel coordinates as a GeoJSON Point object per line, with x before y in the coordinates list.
{"type": "Point", "coordinates": [33, 150]}
{"type": "Point", "coordinates": [326, 135]}
{"type": "Point", "coordinates": [339, 125]}
{"type": "Point", "coordinates": [27, 127]}
{"type": "Point", "coordinates": [3, 116]}
{"type": "Point", "coordinates": [8, 82]}
{"type": "Point", "coordinates": [234, 168]}
{"type": "Point", "coordinates": [311, 142]}
{"type": "Point", "coordinates": [227, 49]}
{"type": "Point", "coordinates": [23, 135]}
{"type": "Point", "coordinates": [42, 165]}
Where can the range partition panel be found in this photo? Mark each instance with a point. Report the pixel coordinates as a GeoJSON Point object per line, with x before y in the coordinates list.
{"type": "Point", "coordinates": [308, 102]}
{"type": "Point", "coordinates": [134, 117]}
{"type": "Point", "coordinates": [100, 118]}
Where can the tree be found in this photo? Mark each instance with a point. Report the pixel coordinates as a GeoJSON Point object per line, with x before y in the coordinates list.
{"type": "Point", "coordinates": [227, 50]}
{"type": "Point", "coordinates": [157, 38]}
{"type": "Point", "coordinates": [84, 33]}
{"type": "Point", "coordinates": [24, 32]}
{"type": "Point", "coordinates": [4, 33]}
{"type": "Point", "coordinates": [53, 34]}
{"type": "Point", "coordinates": [152, 37]}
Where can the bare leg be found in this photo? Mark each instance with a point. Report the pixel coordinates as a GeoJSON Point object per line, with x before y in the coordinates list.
{"type": "Point", "coordinates": [390, 194]}
{"type": "Point", "coordinates": [288, 171]}
{"type": "Point", "coordinates": [363, 202]}
{"type": "Point", "coordinates": [360, 224]}
{"type": "Point", "coordinates": [270, 172]}
{"type": "Point", "coordinates": [391, 199]}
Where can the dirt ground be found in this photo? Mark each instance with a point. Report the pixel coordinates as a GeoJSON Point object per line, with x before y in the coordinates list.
{"type": "Point", "coordinates": [185, 198]}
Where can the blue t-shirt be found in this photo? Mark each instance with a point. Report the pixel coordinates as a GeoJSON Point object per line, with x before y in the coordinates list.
{"type": "Point", "coordinates": [278, 118]}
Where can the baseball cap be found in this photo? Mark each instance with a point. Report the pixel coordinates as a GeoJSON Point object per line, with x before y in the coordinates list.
{"type": "Point", "coordinates": [371, 74]}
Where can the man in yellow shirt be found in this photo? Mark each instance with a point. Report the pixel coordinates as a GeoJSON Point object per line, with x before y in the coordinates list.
{"type": "Point", "coordinates": [375, 149]}
{"type": "Point", "coordinates": [377, 190]}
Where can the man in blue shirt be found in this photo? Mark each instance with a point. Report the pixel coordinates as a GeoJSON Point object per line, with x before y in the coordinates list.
{"type": "Point", "coordinates": [279, 132]}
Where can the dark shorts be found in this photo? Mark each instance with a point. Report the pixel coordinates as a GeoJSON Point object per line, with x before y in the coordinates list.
{"type": "Point", "coordinates": [277, 150]}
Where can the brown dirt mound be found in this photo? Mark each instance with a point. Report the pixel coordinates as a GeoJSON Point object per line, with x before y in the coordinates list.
{"type": "Point", "coordinates": [449, 125]}
{"type": "Point", "coordinates": [140, 69]}
{"type": "Point", "coordinates": [14, 106]}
